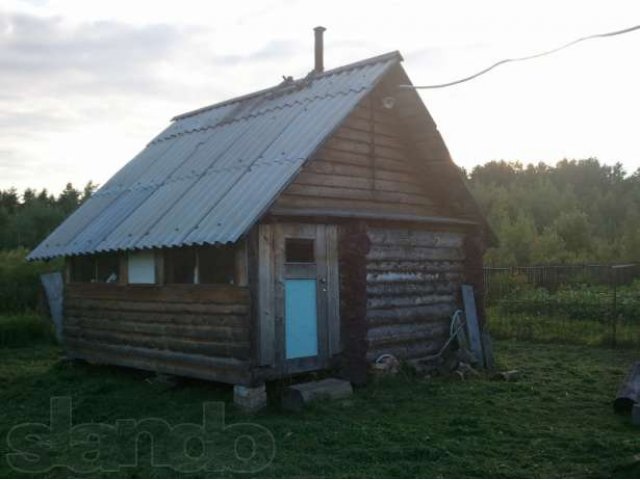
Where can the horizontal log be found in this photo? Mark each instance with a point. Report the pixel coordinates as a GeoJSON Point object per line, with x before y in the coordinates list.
{"type": "Point", "coordinates": [384, 290]}
{"type": "Point", "coordinates": [391, 153]}
{"type": "Point", "coordinates": [395, 165]}
{"type": "Point", "coordinates": [197, 366]}
{"type": "Point", "coordinates": [287, 201]}
{"type": "Point", "coordinates": [411, 313]}
{"type": "Point", "coordinates": [174, 344]}
{"type": "Point", "coordinates": [320, 179]}
{"type": "Point", "coordinates": [334, 168]}
{"type": "Point", "coordinates": [348, 146]}
{"type": "Point", "coordinates": [155, 307]}
{"type": "Point", "coordinates": [357, 194]}
{"type": "Point", "coordinates": [412, 237]}
{"type": "Point", "coordinates": [338, 156]}
{"type": "Point", "coordinates": [397, 266]}
{"type": "Point", "coordinates": [384, 252]}
{"type": "Point", "coordinates": [358, 123]}
{"type": "Point", "coordinates": [222, 294]}
{"type": "Point", "coordinates": [198, 332]}
{"type": "Point", "coordinates": [355, 135]}
{"type": "Point", "coordinates": [400, 276]}
{"type": "Point", "coordinates": [407, 351]}
{"type": "Point", "coordinates": [407, 333]}
{"type": "Point", "coordinates": [411, 301]}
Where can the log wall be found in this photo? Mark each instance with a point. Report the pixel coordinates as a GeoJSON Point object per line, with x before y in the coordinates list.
{"type": "Point", "coordinates": [199, 331]}
{"type": "Point", "coordinates": [413, 285]}
{"type": "Point", "coordinates": [366, 166]}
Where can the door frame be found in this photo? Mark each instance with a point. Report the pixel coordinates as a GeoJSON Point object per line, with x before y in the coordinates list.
{"type": "Point", "coordinates": [272, 273]}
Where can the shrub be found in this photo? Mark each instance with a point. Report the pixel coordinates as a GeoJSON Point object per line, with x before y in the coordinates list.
{"type": "Point", "coordinates": [20, 280]}
{"type": "Point", "coordinates": [18, 330]}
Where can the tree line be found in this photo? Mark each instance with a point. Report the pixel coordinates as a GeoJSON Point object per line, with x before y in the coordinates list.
{"type": "Point", "coordinates": [27, 218]}
{"type": "Point", "coordinates": [577, 211]}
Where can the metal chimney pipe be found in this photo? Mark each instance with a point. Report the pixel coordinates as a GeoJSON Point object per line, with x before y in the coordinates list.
{"type": "Point", "coordinates": [319, 50]}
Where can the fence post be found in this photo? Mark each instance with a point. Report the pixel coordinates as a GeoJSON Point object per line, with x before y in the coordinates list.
{"type": "Point", "coordinates": [614, 309]}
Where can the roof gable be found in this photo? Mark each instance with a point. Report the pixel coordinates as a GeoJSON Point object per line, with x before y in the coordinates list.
{"type": "Point", "coordinates": [213, 172]}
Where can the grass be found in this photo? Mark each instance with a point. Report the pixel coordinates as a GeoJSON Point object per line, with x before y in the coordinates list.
{"type": "Point", "coordinates": [22, 329]}
{"type": "Point", "coordinates": [556, 421]}
{"type": "Point", "coordinates": [562, 329]}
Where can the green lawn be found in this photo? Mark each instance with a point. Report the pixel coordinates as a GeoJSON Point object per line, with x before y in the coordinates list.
{"type": "Point", "coordinates": [556, 421]}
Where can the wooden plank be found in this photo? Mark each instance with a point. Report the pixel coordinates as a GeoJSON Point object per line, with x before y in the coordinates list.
{"type": "Point", "coordinates": [123, 269]}
{"type": "Point", "coordinates": [388, 252]}
{"type": "Point", "coordinates": [191, 365]}
{"type": "Point", "coordinates": [296, 396]}
{"type": "Point", "coordinates": [404, 289]}
{"type": "Point", "coordinates": [327, 154]}
{"type": "Point", "coordinates": [350, 206]}
{"type": "Point", "coordinates": [239, 350]}
{"type": "Point", "coordinates": [278, 292]}
{"type": "Point", "coordinates": [407, 332]}
{"type": "Point", "coordinates": [222, 294]}
{"type": "Point", "coordinates": [323, 293]}
{"type": "Point", "coordinates": [354, 135]}
{"type": "Point", "coordinates": [413, 237]}
{"type": "Point", "coordinates": [333, 290]}
{"type": "Point", "coordinates": [471, 316]}
{"type": "Point", "coordinates": [411, 313]}
{"type": "Point", "coordinates": [349, 193]}
{"type": "Point", "coordinates": [197, 331]}
{"type": "Point", "coordinates": [311, 178]}
{"type": "Point", "coordinates": [333, 168]}
{"type": "Point", "coordinates": [154, 308]}
{"type": "Point", "coordinates": [394, 267]}
{"type": "Point", "coordinates": [348, 146]}
{"type": "Point", "coordinates": [159, 266]}
{"type": "Point", "coordinates": [266, 292]}
{"type": "Point", "coordinates": [412, 301]}
{"type": "Point", "coordinates": [241, 264]}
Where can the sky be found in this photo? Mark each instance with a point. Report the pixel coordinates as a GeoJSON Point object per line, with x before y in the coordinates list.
{"type": "Point", "coordinates": [84, 85]}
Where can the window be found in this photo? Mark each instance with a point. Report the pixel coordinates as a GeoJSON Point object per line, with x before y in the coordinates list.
{"type": "Point", "coordinates": [299, 250]}
{"type": "Point", "coordinates": [205, 265]}
{"type": "Point", "coordinates": [142, 267]}
{"type": "Point", "coordinates": [82, 268]}
{"type": "Point", "coordinates": [180, 265]}
{"type": "Point", "coordinates": [101, 268]}
{"type": "Point", "coordinates": [217, 265]}
{"type": "Point", "coordinates": [107, 268]}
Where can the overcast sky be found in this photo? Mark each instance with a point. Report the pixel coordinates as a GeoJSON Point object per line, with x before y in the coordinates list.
{"type": "Point", "coordinates": [84, 85]}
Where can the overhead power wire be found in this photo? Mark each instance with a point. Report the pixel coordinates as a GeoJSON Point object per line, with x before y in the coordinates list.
{"type": "Point", "coordinates": [521, 59]}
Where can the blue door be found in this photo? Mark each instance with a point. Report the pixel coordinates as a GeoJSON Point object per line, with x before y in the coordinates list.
{"type": "Point", "coordinates": [301, 318]}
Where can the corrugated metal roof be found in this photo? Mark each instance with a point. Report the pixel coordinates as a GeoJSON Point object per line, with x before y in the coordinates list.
{"type": "Point", "coordinates": [213, 172]}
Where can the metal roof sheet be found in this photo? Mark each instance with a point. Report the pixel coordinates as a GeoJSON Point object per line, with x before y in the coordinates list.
{"type": "Point", "coordinates": [213, 172]}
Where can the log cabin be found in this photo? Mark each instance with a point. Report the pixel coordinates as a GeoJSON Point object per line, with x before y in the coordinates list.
{"type": "Point", "coordinates": [313, 225]}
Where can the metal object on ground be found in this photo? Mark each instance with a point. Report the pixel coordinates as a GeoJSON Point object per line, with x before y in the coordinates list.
{"type": "Point", "coordinates": [54, 289]}
{"type": "Point", "coordinates": [629, 391]}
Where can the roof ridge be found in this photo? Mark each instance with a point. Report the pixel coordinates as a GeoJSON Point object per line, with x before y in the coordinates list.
{"type": "Point", "coordinates": [395, 54]}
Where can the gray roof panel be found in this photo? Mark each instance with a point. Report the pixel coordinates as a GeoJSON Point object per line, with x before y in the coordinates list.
{"type": "Point", "coordinates": [209, 176]}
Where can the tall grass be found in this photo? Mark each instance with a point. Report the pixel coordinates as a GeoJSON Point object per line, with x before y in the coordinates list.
{"type": "Point", "coordinates": [20, 280]}
{"type": "Point", "coordinates": [21, 330]}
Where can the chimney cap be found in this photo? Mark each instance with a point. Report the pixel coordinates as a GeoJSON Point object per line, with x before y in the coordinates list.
{"type": "Point", "coordinates": [319, 28]}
